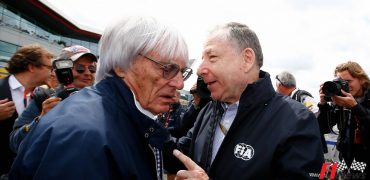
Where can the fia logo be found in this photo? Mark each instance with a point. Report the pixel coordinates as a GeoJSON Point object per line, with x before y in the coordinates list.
{"type": "Point", "coordinates": [243, 151]}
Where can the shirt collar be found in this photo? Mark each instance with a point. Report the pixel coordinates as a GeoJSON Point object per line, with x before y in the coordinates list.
{"type": "Point", "coordinates": [14, 83]}
{"type": "Point", "coordinates": [141, 109]}
{"type": "Point", "coordinates": [227, 106]}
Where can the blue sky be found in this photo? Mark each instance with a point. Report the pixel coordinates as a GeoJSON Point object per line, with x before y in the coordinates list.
{"type": "Point", "coordinates": [306, 37]}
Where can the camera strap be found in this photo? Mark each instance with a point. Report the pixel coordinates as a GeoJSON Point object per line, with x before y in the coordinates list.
{"type": "Point", "coordinates": [27, 97]}
{"type": "Point", "coordinates": [357, 139]}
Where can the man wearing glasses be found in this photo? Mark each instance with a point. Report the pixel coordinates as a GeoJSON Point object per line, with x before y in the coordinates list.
{"type": "Point", "coordinates": [108, 131]}
{"type": "Point", "coordinates": [28, 67]}
{"type": "Point", "coordinates": [84, 68]}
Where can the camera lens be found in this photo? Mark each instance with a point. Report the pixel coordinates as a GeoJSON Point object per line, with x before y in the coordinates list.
{"type": "Point", "coordinates": [331, 88]}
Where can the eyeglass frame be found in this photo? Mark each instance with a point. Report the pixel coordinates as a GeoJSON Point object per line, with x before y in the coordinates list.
{"type": "Point", "coordinates": [47, 66]}
{"type": "Point", "coordinates": [89, 67]}
{"type": "Point", "coordinates": [164, 67]}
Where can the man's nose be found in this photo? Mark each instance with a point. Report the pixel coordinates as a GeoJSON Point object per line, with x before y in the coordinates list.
{"type": "Point", "coordinates": [177, 81]}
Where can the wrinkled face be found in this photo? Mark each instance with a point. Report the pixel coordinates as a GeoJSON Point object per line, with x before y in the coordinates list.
{"type": "Point", "coordinates": [223, 69]}
{"type": "Point", "coordinates": [42, 73]}
{"type": "Point", "coordinates": [145, 78]}
{"type": "Point", "coordinates": [355, 85]}
{"type": "Point", "coordinates": [82, 76]}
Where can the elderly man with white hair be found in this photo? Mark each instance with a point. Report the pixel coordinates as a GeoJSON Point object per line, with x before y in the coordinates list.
{"type": "Point", "coordinates": [108, 131]}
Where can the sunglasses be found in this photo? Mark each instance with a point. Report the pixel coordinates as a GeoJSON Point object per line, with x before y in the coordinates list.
{"type": "Point", "coordinates": [171, 70]}
{"type": "Point", "coordinates": [81, 68]}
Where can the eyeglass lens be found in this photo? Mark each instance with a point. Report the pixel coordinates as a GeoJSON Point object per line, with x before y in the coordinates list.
{"type": "Point", "coordinates": [81, 68]}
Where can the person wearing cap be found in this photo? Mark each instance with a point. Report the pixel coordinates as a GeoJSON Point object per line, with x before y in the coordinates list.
{"type": "Point", "coordinates": [108, 130]}
{"type": "Point", "coordinates": [84, 68]}
{"type": "Point", "coordinates": [84, 65]}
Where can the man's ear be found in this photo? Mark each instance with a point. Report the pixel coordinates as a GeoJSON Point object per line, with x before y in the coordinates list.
{"type": "Point", "coordinates": [249, 58]}
{"type": "Point", "coordinates": [120, 72]}
{"type": "Point", "coordinates": [31, 67]}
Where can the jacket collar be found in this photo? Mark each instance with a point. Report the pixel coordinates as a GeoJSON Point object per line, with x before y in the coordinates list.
{"type": "Point", "coordinates": [258, 92]}
{"type": "Point", "coordinates": [154, 134]}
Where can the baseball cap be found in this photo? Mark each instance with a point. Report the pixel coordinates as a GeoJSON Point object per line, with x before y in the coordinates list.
{"type": "Point", "coordinates": [76, 51]}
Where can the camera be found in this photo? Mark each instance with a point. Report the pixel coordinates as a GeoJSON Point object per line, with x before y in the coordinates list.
{"type": "Point", "coordinates": [63, 72]}
{"type": "Point", "coordinates": [201, 89]}
{"type": "Point", "coordinates": [333, 88]}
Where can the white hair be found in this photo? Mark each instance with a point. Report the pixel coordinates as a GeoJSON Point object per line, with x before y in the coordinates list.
{"type": "Point", "coordinates": [122, 41]}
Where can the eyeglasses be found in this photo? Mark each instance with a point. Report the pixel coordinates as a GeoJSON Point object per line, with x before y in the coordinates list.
{"type": "Point", "coordinates": [277, 78]}
{"type": "Point", "coordinates": [171, 70]}
{"type": "Point", "coordinates": [81, 68]}
{"type": "Point", "coordinates": [47, 66]}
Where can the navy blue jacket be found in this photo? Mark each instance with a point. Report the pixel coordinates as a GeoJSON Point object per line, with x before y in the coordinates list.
{"type": "Point", "coordinates": [6, 126]}
{"type": "Point", "coordinates": [98, 133]}
{"type": "Point", "coordinates": [272, 137]}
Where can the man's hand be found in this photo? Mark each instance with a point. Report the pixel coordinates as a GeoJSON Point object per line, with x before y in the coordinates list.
{"type": "Point", "coordinates": [48, 104]}
{"type": "Point", "coordinates": [7, 109]}
{"type": "Point", "coordinates": [322, 95]}
{"type": "Point", "coordinates": [347, 101]}
{"type": "Point", "coordinates": [193, 172]}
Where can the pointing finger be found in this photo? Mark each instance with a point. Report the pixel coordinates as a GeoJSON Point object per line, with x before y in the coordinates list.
{"type": "Point", "coordinates": [189, 164]}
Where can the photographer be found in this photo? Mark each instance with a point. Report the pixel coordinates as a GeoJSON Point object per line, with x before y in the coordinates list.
{"type": "Point", "coordinates": [83, 74]}
{"type": "Point", "coordinates": [349, 110]}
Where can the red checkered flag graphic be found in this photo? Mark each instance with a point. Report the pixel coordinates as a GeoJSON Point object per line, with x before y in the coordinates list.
{"type": "Point", "coordinates": [342, 166]}
{"type": "Point", "coordinates": [358, 166]}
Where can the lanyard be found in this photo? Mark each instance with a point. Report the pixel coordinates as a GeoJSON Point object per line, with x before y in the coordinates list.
{"type": "Point", "coordinates": [25, 98]}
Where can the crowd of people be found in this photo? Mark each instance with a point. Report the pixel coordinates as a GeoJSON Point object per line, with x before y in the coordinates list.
{"type": "Point", "coordinates": [124, 119]}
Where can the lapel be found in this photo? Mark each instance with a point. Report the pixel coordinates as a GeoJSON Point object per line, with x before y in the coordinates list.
{"type": "Point", "coordinates": [5, 89]}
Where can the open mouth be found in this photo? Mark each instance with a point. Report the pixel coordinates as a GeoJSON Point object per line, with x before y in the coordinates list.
{"type": "Point", "coordinates": [209, 84]}
{"type": "Point", "coordinates": [168, 98]}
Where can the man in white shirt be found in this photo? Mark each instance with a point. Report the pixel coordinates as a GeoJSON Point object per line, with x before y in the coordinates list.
{"type": "Point", "coordinates": [29, 67]}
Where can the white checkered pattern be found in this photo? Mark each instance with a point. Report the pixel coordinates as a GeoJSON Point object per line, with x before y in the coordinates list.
{"type": "Point", "coordinates": [342, 166]}
{"type": "Point", "coordinates": [158, 162]}
{"type": "Point", "coordinates": [358, 166]}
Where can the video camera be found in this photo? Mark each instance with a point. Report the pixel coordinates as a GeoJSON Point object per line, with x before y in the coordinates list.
{"type": "Point", "coordinates": [63, 72]}
{"type": "Point", "coordinates": [201, 89]}
{"type": "Point", "coordinates": [333, 88]}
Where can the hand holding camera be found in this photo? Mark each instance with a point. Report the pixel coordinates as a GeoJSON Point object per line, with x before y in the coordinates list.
{"type": "Point", "coordinates": [338, 92]}
{"type": "Point", "coordinates": [49, 104]}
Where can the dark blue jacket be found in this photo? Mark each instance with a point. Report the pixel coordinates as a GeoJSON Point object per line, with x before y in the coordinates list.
{"type": "Point", "coordinates": [26, 118]}
{"type": "Point", "coordinates": [98, 133]}
{"type": "Point", "coordinates": [272, 137]}
{"type": "Point", "coordinates": [6, 126]}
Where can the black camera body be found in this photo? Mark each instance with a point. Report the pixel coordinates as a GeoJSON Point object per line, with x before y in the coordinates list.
{"type": "Point", "coordinates": [333, 88]}
{"type": "Point", "coordinates": [63, 71]}
{"type": "Point", "coordinates": [201, 90]}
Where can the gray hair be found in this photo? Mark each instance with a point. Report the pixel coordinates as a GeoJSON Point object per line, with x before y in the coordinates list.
{"type": "Point", "coordinates": [286, 79]}
{"type": "Point", "coordinates": [243, 37]}
{"type": "Point", "coordinates": [121, 42]}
